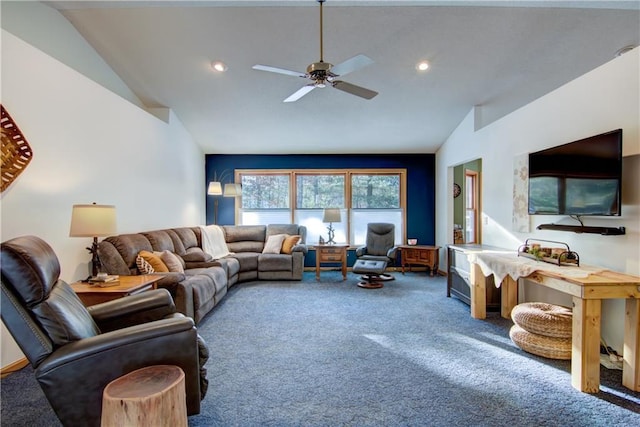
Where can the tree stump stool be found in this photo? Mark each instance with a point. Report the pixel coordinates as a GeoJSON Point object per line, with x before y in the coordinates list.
{"type": "Point", "coordinates": [151, 396]}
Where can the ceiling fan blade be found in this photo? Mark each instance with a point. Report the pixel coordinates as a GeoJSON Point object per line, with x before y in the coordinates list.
{"type": "Point", "coordinates": [300, 93]}
{"type": "Point", "coordinates": [351, 64]}
{"type": "Point", "coordinates": [279, 70]}
{"type": "Point", "coordinates": [354, 90]}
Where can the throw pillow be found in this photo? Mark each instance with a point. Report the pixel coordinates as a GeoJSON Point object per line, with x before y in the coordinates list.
{"type": "Point", "coordinates": [144, 266]}
{"type": "Point", "coordinates": [274, 244]}
{"type": "Point", "coordinates": [172, 261]}
{"type": "Point", "coordinates": [289, 243]}
{"type": "Point", "coordinates": [158, 265]}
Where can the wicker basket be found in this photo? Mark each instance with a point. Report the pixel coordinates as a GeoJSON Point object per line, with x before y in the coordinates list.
{"type": "Point", "coordinates": [543, 319]}
{"type": "Point", "coordinates": [16, 152]}
{"type": "Point", "coordinates": [550, 347]}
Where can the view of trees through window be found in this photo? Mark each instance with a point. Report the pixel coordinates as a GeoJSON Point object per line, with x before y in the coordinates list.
{"type": "Point", "coordinates": [375, 191]}
{"type": "Point", "coordinates": [319, 191]}
{"type": "Point", "coordinates": [300, 196]}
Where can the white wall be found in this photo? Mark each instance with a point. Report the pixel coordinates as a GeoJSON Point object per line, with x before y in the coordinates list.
{"type": "Point", "coordinates": [604, 99]}
{"type": "Point", "coordinates": [90, 144]}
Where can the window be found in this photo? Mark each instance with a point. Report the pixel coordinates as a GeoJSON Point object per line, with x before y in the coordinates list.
{"type": "Point", "coordinates": [265, 199]}
{"type": "Point", "coordinates": [375, 198]}
{"type": "Point", "coordinates": [362, 195]}
{"type": "Point", "coordinates": [471, 206]}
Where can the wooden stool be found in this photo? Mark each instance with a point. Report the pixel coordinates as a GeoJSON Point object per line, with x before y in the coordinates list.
{"type": "Point", "coordinates": [151, 396]}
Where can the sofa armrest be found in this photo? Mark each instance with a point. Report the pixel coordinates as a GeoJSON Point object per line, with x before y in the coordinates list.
{"type": "Point", "coordinates": [300, 247]}
{"type": "Point", "coordinates": [135, 309]}
{"type": "Point", "coordinates": [362, 250]}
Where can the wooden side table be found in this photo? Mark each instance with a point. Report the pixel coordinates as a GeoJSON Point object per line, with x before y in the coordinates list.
{"type": "Point", "coordinates": [333, 254]}
{"type": "Point", "coordinates": [91, 294]}
{"type": "Point", "coordinates": [420, 255]}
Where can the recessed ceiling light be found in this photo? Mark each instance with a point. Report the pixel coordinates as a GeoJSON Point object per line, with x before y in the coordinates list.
{"type": "Point", "coordinates": [422, 66]}
{"type": "Point", "coordinates": [219, 66]}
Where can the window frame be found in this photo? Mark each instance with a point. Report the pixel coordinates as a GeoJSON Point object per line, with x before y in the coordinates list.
{"type": "Point", "coordinates": [347, 173]}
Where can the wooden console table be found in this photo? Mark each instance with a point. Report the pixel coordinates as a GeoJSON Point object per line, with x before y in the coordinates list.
{"type": "Point", "coordinates": [587, 293]}
{"type": "Point", "coordinates": [332, 254]}
{"type": "Point", "coordinates": [420, 255]}
{"type": "Point", "coordinates": [91, 294]}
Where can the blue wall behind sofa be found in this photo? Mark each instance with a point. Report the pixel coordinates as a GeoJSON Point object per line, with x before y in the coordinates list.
{"type": "Point", "coordinates": [420, 181]}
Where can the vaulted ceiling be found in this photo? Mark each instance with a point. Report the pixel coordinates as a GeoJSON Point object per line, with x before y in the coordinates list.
{"type": "Point", "coordinates": [497, 56]}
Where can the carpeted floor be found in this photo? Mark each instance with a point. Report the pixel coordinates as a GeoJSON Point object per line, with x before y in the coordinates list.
{"type": "Point", "coordinates": [329, 353]}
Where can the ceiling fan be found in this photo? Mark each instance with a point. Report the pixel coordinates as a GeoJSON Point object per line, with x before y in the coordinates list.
{"type": "Point", "coordinates": [324, 74]}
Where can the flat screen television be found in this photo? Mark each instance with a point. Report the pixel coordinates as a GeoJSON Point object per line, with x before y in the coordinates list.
{"type": "Point", "coordinates": [579, 178]}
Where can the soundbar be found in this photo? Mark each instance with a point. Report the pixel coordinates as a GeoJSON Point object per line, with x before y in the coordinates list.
{"type": "Point", "coordinates": [605, 231]}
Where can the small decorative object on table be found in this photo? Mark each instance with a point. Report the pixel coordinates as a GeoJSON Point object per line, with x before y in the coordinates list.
{"type": "Point", "coordinates": [412, 242]}
{"type": "Point", "coordinates": [543, 250]}
{"type": "Point", "coordinates": [104, 279]}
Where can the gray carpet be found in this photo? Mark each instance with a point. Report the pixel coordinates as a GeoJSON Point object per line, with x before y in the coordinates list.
{"type": "Point", "coordinates": [331, 354]}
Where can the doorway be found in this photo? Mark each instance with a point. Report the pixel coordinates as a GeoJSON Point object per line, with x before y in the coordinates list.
{"type": "Point", "coordinates": [467, 202]}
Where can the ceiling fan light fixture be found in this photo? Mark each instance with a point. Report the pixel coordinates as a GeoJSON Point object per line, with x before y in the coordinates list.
{"type": "Point", "coordinates": [219, 66]}
{"type": "Point", "coordinates": [422, 66]}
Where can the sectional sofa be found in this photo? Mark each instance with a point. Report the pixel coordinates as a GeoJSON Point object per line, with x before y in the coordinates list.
{"type": "Point", "coordinates": [202, 281]}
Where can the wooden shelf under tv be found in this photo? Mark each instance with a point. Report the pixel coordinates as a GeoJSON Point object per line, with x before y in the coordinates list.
{"type": "Point", "coordinates": [605, 231]}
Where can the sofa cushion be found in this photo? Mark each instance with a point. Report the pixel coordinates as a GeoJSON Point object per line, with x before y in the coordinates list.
{"type": "Point", "coordinates": [274, 244]}
{"type": "Point", "coordinates": [172, 261]}
{"type": "Point", "coordinates": [289, 243]}
{"type": "Point", "coordinates": [196, 254]}
{"type": "Point", "coordinates": [188, 237]}
{"type": "Point", "coordinates": [282, 229]}
{"type": "Point", "coordinates": [160, 240]}
{"type": "Point", "coordinates": [275, 262]}
{"type": "Point", "coordinates": [248, 261]}
{"type": "Point", "coordinates": [178, 246]}
{"type": "Point", "coordinates": [156, 262]}
{"type": "Point", "coordinates": [144, 266]}
{"type": "Point", "coordinates": [244, 238]}
{"type": "Point", "coordinates": [129, 246]}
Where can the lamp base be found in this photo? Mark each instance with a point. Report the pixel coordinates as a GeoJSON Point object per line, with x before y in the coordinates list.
{"type": "Point", "coordinates": [331, 231]}
{"type": "Point", "coordinates": [95, 261]}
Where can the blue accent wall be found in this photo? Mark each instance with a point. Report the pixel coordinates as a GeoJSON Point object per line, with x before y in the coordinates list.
{"type": "Point", "coordinates": [420, 181]}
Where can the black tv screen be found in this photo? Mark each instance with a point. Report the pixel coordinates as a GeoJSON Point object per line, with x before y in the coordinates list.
{"type": "Point", "coordinates": [579, 178]}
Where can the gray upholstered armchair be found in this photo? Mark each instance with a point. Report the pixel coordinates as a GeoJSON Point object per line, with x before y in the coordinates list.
{"type": "Point", "coordinates": [379, 245]}
{"type": "Point", "coordinates": [76, 351]}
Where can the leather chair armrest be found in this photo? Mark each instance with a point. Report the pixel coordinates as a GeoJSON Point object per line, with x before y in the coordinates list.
{"type": "Point", "coordinates": [108, 356]}
{"type": "Point", "coordinates": [391, 253]}
{"type": "Point", "coordinates": [361, 251]}
{"type": "Point", "coordinates": [134, 309]}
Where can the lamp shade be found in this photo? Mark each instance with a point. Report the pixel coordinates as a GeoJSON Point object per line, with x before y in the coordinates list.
{"type": "Point", "coordinates": [93, 220]}
{"type": "Point", "coordinates": [331, 215]}
{"type": "Point", "coordinates": [215, 188]}
{"type": "Point", "coordinates": [232, 190]}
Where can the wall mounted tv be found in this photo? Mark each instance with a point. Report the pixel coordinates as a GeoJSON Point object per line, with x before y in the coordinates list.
{"type": "Point", "coordinates": [579, 178]}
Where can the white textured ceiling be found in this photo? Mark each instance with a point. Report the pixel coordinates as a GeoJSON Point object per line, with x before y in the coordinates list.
{"type": "Point", "coordinates": [496, 55]}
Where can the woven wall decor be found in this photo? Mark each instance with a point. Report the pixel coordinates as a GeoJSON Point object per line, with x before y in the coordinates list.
{"type": "Point", "coordinates": [16, 152]}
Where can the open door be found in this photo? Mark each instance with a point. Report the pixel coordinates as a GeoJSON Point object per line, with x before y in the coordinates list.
{"type": "Point", "coordinates": [467, 202]}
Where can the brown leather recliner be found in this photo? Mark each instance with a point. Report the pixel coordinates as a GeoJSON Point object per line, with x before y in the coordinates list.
{"type": "Point", "coordinates": [76, 351]}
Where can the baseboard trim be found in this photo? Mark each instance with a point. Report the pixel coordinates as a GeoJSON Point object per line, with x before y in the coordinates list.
{"type": "Point", "coordinates": [13, 367]}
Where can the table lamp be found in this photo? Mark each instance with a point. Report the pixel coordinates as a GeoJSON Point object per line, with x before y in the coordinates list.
{"type": "Point", "coordinates": [331, 215]}
{"type": "Point", "coordinates": [93, 221]}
